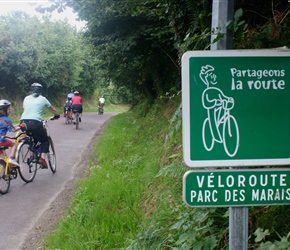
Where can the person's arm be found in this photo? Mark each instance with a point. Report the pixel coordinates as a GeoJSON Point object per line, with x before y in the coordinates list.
{"type": "Point", "coordinates": [16, 128]}
{"type": "Point", "coordinates": [53, 110]}
{"type": "Point", "coordinates": [11, 127]}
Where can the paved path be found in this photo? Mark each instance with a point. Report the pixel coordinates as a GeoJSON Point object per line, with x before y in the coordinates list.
{"type": "Point", "coordinates": [25, 204]}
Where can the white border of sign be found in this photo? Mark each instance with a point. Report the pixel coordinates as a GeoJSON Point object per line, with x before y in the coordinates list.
{"type": "Point", "coordinates": [283, 52]}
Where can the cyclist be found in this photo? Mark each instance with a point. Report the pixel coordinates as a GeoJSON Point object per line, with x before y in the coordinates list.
{"type": "Point", "coordinates": [70, 94]}
{"type": "Point", "coordinates": [101, 103]}
{"type": "Point", "coordinates": [214, 100]}
{"type": "Point", "coordinates": [34, 106]}
{"type": "Point", "coordinates": [5, 126]}
{"type": "Point", "coordinates": [77, 104]}
{"type": "Point", "coordinates": [68, 104]}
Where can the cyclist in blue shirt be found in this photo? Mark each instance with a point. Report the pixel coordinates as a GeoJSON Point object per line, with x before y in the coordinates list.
{"type": "Point", "coordinates": [71, 94]}
{"type": "Point", "coordinates": [68, 105]}
{"type": "Point", "coordinates": [7, 126]}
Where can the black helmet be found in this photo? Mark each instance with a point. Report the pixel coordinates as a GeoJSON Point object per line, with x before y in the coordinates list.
{"type": "Point", "coordinates": [4, 104]}
{"type": "Point", "coordinates": [36, 88]}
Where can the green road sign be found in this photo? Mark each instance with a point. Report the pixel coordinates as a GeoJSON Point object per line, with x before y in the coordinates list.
{"type": "Point", "coordinates": [236, 188]}
{"type": "Point", "coordinates": [236, 108]}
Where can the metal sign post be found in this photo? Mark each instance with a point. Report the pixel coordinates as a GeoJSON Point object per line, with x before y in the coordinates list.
{"type": "Point", "coordinates": [238, 228]}
{"type": "Point", "coordinates": [222, 12]}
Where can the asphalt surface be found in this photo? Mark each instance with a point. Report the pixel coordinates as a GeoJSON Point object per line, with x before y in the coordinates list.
{"type": "Point", "coordinates": [26, 203]}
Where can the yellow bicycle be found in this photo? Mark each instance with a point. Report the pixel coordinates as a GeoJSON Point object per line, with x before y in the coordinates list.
{"type": "Point", "coordinates": [7, 171]}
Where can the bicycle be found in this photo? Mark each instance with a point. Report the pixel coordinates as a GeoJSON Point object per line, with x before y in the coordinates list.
{"type": "Point", "coordinates": [68, 115]}
{"type": "Point", "coordinates": [7, 171]}
{"type": "Point", "coordinates": [229, 135]}
{"type": "Point", "coordinates": [28, 153]}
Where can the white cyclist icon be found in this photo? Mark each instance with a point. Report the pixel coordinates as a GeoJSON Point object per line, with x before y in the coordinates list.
{"type": "Point", "coordinates": [219, 126]}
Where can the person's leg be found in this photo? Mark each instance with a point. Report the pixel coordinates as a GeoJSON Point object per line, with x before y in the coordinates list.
{"type": "Point", "coordinates": [9, 143]}
{"type": "Point", "coordinates": [73, 113]}
{"type": "Point", "coordinates": [40, 135]}
{"type": "Point", "coordinates": [12, 150]}
{"type": "Point", "coordinates": [81, 112]}
{"type": "Point", "coordinates": [1, 153]}
{"type": "Point", "coordinates": [44, 146]}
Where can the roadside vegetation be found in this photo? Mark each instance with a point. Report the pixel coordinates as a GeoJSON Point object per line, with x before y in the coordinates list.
{"type": "Point", "coordinates": [131, 197]}
{"type": "Point", "coordinates": [130, 52]}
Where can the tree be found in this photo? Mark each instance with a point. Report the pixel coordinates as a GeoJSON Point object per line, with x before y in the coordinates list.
{"type": "Point", "coordinates": [133, 44]}
{"type": "Point", "coordinates": [140, 42]}
{"type": "Point", "coordinates": [51, 53]}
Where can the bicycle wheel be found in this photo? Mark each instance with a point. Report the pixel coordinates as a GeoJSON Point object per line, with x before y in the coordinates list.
{"type": "Point", "coordinates": [27, 160]}
{"type": "Point", "coordinates": [4, 179]}
{"type": "Point", "coordinates": [77, 120]}
{"type": "Point", "coordinates": [207, 138]}
{"type": "Point", "coordinates": [70, 117]}
{"type": "Point", "coordinates": [66, 118]}
{"type": "Point", "coordinates": [231, 136]}
{"type": "Point", "coordinates": [51, 157]}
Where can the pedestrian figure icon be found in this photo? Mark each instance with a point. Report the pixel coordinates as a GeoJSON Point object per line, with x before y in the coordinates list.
{"type": "Point", "coordinates": [219, 126]}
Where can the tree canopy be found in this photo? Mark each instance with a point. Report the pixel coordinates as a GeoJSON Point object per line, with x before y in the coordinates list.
{"type": "Point", "coordinates": [135, 46]}
{"type": "Point", "coordinates": [51, 53]}
{"type": "Point", "coordinates": [139, 43]}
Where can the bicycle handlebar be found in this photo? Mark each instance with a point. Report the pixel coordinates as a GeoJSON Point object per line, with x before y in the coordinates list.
{"type": "Point", "coordinates": [228, 103]}
{"type": "Point", "coordinates": [55, 117]}
{"type": "Point", "coordinates": [15, 137]}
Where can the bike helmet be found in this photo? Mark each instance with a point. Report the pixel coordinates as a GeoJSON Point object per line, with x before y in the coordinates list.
{"type": "Point", "coordinates": [206, 69]}
{"type": "Point", "coordinates": [76, 93]}
{"type": "Point", "coordinates": [4, 104]}
{"type": "Point", "coordinates": [36, 88]}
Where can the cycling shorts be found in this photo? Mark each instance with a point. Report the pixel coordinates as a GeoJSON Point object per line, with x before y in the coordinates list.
{"type": "Point", "coordinates": [78, 107]}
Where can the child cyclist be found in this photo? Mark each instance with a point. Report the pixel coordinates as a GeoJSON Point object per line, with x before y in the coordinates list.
{"type": "Point", "coordinates": [68, 106]}
{"type": "Point", "coordinates": [5, 126]}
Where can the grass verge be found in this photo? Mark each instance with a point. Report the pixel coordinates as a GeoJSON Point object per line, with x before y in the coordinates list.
{"type": "Point", "coordinates": [131, 197]}
{"type": "Point", "coordinates": [109, 206]}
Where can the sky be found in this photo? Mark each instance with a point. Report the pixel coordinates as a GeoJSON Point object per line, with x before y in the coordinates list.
{"type": "Point", "coordinates": [9, 6]}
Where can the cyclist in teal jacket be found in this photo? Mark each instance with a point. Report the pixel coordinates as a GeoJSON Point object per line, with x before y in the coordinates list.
{"type": "Point", "coordinates": [34, 106]}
